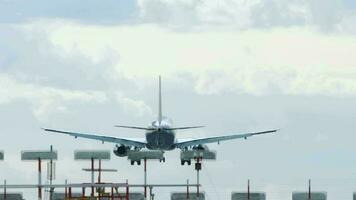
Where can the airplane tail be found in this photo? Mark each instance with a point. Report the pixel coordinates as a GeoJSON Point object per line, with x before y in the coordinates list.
{"type": "Point", "coordinates": [159, 115]}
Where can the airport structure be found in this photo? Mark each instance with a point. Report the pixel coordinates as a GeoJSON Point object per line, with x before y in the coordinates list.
{"type": "Point", "coordinates": [100, 190]}
{"type": "Point", "coordinates": [248, 196]}
{"type": "Point", "coordinates": [309, 196]}
{"type": "Point", "coordinates": [97, 189]}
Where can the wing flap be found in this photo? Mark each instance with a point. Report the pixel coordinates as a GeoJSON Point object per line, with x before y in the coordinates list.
{"type": "Point", "coordinates": [123, 141]}
{"type": "Point", "coordinates": [194, 142]}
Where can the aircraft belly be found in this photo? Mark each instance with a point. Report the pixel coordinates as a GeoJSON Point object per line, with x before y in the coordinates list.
{"type": "Point", "coordinates": [160, 141]}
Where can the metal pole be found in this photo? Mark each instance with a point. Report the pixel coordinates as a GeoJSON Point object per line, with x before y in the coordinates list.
{"type": "Point", "coordinates": [151, 193]}
{"type": "Point", "coordinates": [309, 193]}
{"type": "Point", "coordinates": [5, 196]}
{"type": "Point", "coordinates": [51, 176]}
{"type": "Point", "coordinates": [39, 180]}
{"type": "Point", "coordinates": [99, 179]}
{"type": "Point", "coordinates": [248, 189]}
{"type": "Point", "coordinates": [198, 183]}
{"type": "Point", "coordinates": [92, 177]}
{"type": "Point", "coordinates": [112, 193]}
{"type": "Point", "coordinates": [83, 192]}
{"type": "Point", "coordinates": [65, 189]}
{"type": "Point", "coordinates": [70, 192]}
{"type": "Point", "coordinates": [188, 189]}
{"type": "Point", "coordinates": [198, 159]}
{"type": "Point", "coordinates": [127, 190]}
{"type": "Point", "coordinates": [145, 177]}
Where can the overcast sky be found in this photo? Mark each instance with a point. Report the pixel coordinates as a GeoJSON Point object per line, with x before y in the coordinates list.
{"type": "Point", "coordinates": [232, 65]}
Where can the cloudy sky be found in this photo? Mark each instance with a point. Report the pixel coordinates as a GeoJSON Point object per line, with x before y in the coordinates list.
{"type": "Point", "coordinates": [232, 65]}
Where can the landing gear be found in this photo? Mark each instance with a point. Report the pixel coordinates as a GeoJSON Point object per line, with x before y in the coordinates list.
{"type": "Point", "coordinates": [138, 162]}
{"type": "Point", "coordinates": [162, 160]}
{"type": "Point", "coordinates": [182, 162]}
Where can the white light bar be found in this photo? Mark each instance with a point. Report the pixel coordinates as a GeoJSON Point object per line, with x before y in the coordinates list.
{"type": "Point", "coordinates": [149, 155]}
{"type": "Point", "coordinates": [88, 155]}
{"type": "Point", "coordinates": [35, 155]}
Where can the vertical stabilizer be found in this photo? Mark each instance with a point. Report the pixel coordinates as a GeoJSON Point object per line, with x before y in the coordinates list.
{"type": "Point", "coordinates": [159, 103]}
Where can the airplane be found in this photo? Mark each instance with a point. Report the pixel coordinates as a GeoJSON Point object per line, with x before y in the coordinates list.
{"type": "Point", "coordinates": [160, 135]}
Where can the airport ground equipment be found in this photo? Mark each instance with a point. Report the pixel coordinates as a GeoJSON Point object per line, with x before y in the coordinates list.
{"type": "Point", "coordinates": [92, 156]}
{"type": "Point", "coordinates": [39, 156]}
{"type": "Point", "coordinates": [138, 156]}
{"type": "Point", "coordinates": [1, 155]}
{"type": "Point", "coordinates": [198, 154]}
{"type": "Point", "coordinates": [248, 195]}
{"type": "Point", "coordinates": [11, 196]}
{"type": "Point", "coordinates": [183, 196]}
{"type": "Point", "coordinates": [78, 196]}
{"type": "Point", "coordinates": [69, 186]}
{"type": "Point", "coordinates": [88, 155]}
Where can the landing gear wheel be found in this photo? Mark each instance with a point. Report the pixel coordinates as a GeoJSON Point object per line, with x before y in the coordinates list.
{"type": "Point", "coordinates": [139, 162]}
{"type": "Point", "coordinates": [132, 162]}
{"type": "Point", "coordinates": [164, 159]}
{"type": "Point", "coordinates": [182, 162]}
{"type": "Point", "coordinates": [189, 162]}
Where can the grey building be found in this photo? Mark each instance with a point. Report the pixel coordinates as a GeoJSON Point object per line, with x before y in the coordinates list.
{"type": "Point", "coordinates": [61, 196]}
{"type": "Point", "coordinates": [246, 196]}
{"type": "Point", "coordinates": [11, 196]}
{"type": "Point", "coordinates": [183, 196]}
{"type": "Point", "coordinates": [305, 196]}
{"type": "Point", "coordinates": [132, 196]}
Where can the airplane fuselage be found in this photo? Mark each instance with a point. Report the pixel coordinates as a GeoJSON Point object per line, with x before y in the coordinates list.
{"type": "Point", "coordinates": [160, 137]}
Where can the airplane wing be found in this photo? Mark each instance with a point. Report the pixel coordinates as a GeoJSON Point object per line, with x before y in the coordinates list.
{"type": "Point", "coordinates": [194, 142]}
{"type": "Point", "coordinates": [123, 141]}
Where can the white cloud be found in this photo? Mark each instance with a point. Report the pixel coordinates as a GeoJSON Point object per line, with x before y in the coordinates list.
{"type": "Point", "coordinates": [325, 15]}
{"type": "Point", "coordinates": [285, 60]}
{"type": "Point", "coordinates": [134, 107]}
{"type": "Point", "coordinates": [44, 100]}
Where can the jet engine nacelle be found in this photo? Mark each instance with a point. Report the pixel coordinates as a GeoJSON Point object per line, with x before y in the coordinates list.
{"type": "Point", "coordinates": [121, 151]}
{"type": "Point", "coordinates": [200, 147]}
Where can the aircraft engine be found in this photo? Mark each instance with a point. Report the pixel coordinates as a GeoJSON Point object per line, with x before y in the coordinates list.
{"type": "Point", "coordinates": [200, 147]}
{"type": "Point", "coordinates": [121, 151]}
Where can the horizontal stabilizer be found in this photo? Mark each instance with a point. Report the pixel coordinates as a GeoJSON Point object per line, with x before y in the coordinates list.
{"type": "Point", "coordinates": [135, 127]}
{"type": "Point", "coordinates": [186, 127]}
